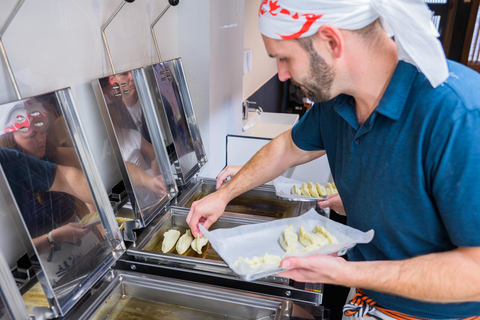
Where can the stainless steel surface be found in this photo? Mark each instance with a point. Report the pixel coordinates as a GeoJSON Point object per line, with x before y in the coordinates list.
{"type": "Point", "coordinates": [129, 295]}
{"type": "Point", "coordinates": [176, 115]}
{"type": "Point", "coordinates": [65, 273]}
{"type": "Point", "coordinates": [140, 152]}
{"type": "Point", "coordinates": [104, 37]}
{"type": "Point", "coordinates": [295, 292]}
{"type": "Point", "coordinates": [260, 201]}
{"type": "Point", "coordinates": [292, 197]}
{"type": "Point", "coordinates": [2, 47]}
{"type": "Point", "coordinates": [149, 244]}
{"type": "Point", "coordinates": [246, 108]}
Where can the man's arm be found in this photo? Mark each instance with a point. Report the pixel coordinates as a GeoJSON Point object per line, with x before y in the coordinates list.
{"type": "Point", "coordinates": [452, 276]}
{"type": "Point", "coordinates": [140, 179]}
{"type": "Point", "coordinates": [268, 163]}
{"type": "Point", "coordinates": [231, 171]}
{"type": "Point", "coordinates": [72, 181]}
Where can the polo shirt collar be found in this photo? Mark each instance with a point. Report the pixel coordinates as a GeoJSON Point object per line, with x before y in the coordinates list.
{"type": "Point", "coordinates": [395, 97]}
{"type": "Point", "coordinates": [393, 101]}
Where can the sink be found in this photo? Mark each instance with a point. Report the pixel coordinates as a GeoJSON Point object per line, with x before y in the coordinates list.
{"type": "Point", "coordinates": [268, 124]}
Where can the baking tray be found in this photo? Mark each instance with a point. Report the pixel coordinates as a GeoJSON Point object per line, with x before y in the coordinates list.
{"type": "Point", "coordinates": [261, 201]}
{"type": "Point", "coordinates": [129, 295]}
{"type": "Point", "coordinates": [250, 241]}
{"type": "Point", "coordinates": [150, 241]}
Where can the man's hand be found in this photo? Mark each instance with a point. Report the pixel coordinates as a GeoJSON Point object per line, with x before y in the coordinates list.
{"type": "Point", "coordinates": [156, 184]}
{"type": "Point", "coordinates": [333, 202]}
{"type": "Point", "coordinates": [317, 268]}
{"type": "Point", "coordinates": [228, 171]}
{"type": "Point", "coordinates": [205, 212]}
{"type": "Point", "coordinates": [71, 232]}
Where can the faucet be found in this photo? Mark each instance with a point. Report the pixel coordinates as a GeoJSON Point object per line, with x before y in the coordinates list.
{"type": "Point", "coordinates": [246, 108]}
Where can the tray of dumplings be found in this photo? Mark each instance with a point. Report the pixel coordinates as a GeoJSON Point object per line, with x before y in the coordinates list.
{"type": "Point", "coordinates": [255, 251]}
{"type": "Point", "coordinates": [293, 190]}
{"type": "Point", "coordinates": [168, 241]}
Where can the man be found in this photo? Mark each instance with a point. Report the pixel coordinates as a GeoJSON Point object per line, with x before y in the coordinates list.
{"type": "Point", "coordinates": [402, 141]}
{"type": "Point", "coordinates": [123, 86]}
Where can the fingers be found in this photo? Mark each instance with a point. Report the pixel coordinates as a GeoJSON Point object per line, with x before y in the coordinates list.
{"type": "Point", "coordinates": [222, 176]}
{"type": "Point", "coordinates": [193, 220]}
{"type": "Point", "coordinates": [228, 171]}
{"type": "Point", "coordinates": [331, 201]}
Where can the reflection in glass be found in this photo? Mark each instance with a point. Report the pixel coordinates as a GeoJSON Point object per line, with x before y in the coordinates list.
{"type": "Point", "coordinates": [50, 188]}
{"type": "Point", "coordinates": [176, 118]}
{"type": "Point", "coordinates": [133, 138]}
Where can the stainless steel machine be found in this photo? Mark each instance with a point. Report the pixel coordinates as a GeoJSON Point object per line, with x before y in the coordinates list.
{"type": "Point", "coordinates": [90, 258]}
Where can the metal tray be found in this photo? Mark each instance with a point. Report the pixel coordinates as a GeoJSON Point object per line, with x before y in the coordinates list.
{"type": "Point", "coordinates": [129, 295]}
{"type": "Point", "coordinates": [150, 241]}
{"type": "Point", "coordinates": [261, 201]}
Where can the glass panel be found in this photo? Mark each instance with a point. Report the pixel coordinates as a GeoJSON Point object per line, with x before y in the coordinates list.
{"type": "Point", "coordinates": [147, 171]}
{"type": "Point", "coordinates": [171, 92]}
{"type": "Point", "coordinates": [53, 195]}
{"type": "Point", "coordinates": [177, 66]}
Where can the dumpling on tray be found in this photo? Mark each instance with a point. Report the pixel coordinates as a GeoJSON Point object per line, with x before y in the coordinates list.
{"type": "Point", "coordinates": [184, 242]}
{"type": "Point", "coordinates": [289, 239]}
{"type": "Point", "coordinates": [198, 243]}
{"type": "Point", "coordinates": [169, 240]}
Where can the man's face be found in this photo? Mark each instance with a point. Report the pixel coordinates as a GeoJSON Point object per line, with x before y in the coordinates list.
{"type": "Point", "coordinates": [126, 86]}
{"type": "Point", "coordinates": [304, 66]}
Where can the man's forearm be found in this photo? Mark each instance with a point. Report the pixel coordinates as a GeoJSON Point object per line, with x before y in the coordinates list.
{"type": "Point", "coordinates": [452, 276]}
{"type": "Point", "coordinates": [72, 181]}
{"type": "Point", "coordinates": [268, 163]}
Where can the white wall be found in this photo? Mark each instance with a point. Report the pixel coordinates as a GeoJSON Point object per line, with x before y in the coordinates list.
{"type": "Point", "coordinates": [57, 43]}
{"type": "Point", "coordinates": [263, 67]}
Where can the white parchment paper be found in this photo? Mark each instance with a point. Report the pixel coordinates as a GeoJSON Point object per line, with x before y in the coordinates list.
{"type": "Point", "coordinates": [258, 239]}
{"type": "Point", "coordinates": [283, 186]}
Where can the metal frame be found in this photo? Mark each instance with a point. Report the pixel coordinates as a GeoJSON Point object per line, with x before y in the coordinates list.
{"type": "Point", "coordinates": [145, 214]}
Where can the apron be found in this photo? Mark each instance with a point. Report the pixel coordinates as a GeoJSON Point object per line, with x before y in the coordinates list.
{"type": "Point", "coordinates": [360, 306]}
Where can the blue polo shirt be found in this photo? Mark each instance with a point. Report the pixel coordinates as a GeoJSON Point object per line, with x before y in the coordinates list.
{"type": "Point", "coordinates": [411, 171]}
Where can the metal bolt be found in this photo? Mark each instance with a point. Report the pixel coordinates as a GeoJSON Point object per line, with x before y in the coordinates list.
{"type": "Point", "coordinates": [288, 293]}
{"type": "Point", "coordinates": [133, 267]}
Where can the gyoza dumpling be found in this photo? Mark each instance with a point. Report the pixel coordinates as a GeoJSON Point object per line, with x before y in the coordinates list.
{"type": "Point", "coordinates": [270, 258]}
{"type": "Point", "coordinates": [289, 239]}
{"type": "Point", "coordinates": [310, 238]}
{"type": "Point", "coordinates": [184, 242]}
{"type": "Point", "coordinates": [322, 192]}
{"type": "Point", "coordinates": [335, 190]}
{"type": "Point", "coordinates": [198, 243]}
{"type": "Point", "coordinates": [255, 262]}
{"type": "Point", "coordinates": [304, 190]}
{"type": "Point", "coordinates": [321, 230]}
{"type": "Point", "coordinates": [313, 190]}
{"type": "Point", "coordinates": [329, 189]}
{"type": "Point", "coordinates": [169, 240]}
{"type": "Point", "coordinates": [295, 190]}
{"type": "Point", "coordinates": [89, 218]}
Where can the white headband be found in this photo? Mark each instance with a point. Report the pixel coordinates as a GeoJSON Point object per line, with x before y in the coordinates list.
{"type": "Point", "coordinates": [20, 115]}
{"type": "Point", "coordinates": [410, 21]}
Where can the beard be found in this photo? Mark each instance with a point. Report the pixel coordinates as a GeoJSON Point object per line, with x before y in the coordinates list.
{"type": "Point", "coordinates": [319, 81]}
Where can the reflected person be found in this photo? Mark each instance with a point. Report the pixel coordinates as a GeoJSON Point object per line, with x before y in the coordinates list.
{"type": "Point", "coordinates": [133, 137]}
{"type": "Point", "coordinates": [45, 192]}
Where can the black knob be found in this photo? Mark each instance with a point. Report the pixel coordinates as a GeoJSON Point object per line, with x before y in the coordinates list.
{"type": "Point", "coordinates": [173, 2]}
{"type": "Point", "coordinates": [129, 1]}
